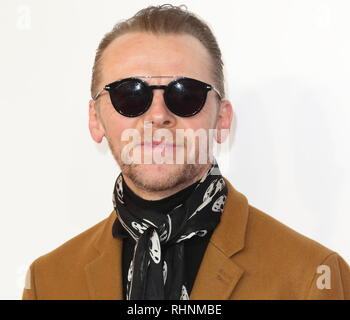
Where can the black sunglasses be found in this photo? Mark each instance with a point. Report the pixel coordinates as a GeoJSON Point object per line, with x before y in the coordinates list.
{"type": "Point", "coordinates": [132, 97]}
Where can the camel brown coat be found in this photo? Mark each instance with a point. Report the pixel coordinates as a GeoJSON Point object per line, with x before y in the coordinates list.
{"type": "Point", "coordinates": [250, 256]}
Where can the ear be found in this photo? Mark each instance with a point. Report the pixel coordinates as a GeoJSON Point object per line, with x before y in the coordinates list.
{"type": "Point", "coordinates": [224, 120]}
{"type": "Point", "coordinates": [95, 125]}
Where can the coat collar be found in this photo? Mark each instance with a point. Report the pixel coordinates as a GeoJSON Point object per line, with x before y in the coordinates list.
{"type": "Point", "coordinates": [217, 275]}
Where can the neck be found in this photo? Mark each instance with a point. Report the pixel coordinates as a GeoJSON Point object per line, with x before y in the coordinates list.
{"type": "Point", "coordinates": [158, 195]}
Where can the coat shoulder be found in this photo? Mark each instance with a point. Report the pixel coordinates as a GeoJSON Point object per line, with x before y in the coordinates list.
{"type": "Point", "coordinates": [275, 236]}
{"type": "Point", "coordinates": [78, 249]}
{"type": "Point", "coordinates": [59, 274]}
{"type": "Point", "coordinates": [281, 263]}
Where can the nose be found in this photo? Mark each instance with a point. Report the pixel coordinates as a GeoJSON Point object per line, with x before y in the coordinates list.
{"type": "Point", "coordinates": [158, 113]}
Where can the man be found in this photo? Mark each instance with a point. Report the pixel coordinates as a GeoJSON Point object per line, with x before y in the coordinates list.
{"type": "Point", "coordinates": [179, 230]}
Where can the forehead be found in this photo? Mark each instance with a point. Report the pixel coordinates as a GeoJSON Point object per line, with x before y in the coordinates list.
{"type": "Point", "coordinates": [148, 54]}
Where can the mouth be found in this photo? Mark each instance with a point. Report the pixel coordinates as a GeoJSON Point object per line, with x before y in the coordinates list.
{"type": "Point", "coordinates": [158, 145]}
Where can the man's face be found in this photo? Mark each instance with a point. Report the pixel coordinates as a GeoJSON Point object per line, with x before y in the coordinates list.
{"type": "Point", "coordinates": [136, 54]}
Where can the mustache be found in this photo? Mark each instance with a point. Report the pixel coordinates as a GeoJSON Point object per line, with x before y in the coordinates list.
{"type": "Point", "coordinates": [171, 139]}
{"type": "Point", "coordinates": [163, 138]}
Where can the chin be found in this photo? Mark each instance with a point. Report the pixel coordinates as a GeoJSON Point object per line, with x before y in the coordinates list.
{"type": "Point", "coordinates": [159, 177]}
{"type": "Point", "coordinates": [159, 174]}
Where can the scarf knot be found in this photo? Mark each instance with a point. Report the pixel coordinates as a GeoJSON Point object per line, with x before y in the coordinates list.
{"type": "Point", "coordinates": [156, 270]}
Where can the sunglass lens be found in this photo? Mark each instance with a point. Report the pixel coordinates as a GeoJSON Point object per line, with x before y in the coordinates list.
{"type": "Point", "coordinates": [186, 97]}
{"type": "Point", "coordinates": [130, 98]}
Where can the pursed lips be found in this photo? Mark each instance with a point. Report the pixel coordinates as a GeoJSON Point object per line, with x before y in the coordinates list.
{"type": "Point", "coordinates": [158, 144]}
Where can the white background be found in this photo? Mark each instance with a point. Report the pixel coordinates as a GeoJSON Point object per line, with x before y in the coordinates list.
{"type": "Point", "coordinates": [287, 74]}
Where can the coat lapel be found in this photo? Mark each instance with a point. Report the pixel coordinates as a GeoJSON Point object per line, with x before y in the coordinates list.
{"type": "Point", "coordinates": [104, 273]}
{"type": "Point", "coordinates": [217, 276]}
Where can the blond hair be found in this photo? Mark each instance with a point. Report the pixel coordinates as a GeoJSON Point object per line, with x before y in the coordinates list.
{"type": "Point", "coordinates": [164, 19]}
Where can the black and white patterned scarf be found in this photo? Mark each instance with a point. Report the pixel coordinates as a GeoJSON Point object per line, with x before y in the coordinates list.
{"type": "Point", "coordinates": [156, 271]}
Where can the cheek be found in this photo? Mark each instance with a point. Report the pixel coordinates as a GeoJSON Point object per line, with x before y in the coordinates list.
{"type": "Point", "coordinates": [203, 120]}
{"type": "Point", "coordinates": [115, 126]}
{"type": "Point", "coordinates": [208, 114]}
{"type": "Point", "coordinates": [193, 131]}
{"type": "Point", "coordinates": [206, 120]}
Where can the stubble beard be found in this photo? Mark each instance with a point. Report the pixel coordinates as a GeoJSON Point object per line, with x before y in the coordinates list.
{"type": "Point", "coordinates": [170, 177]}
